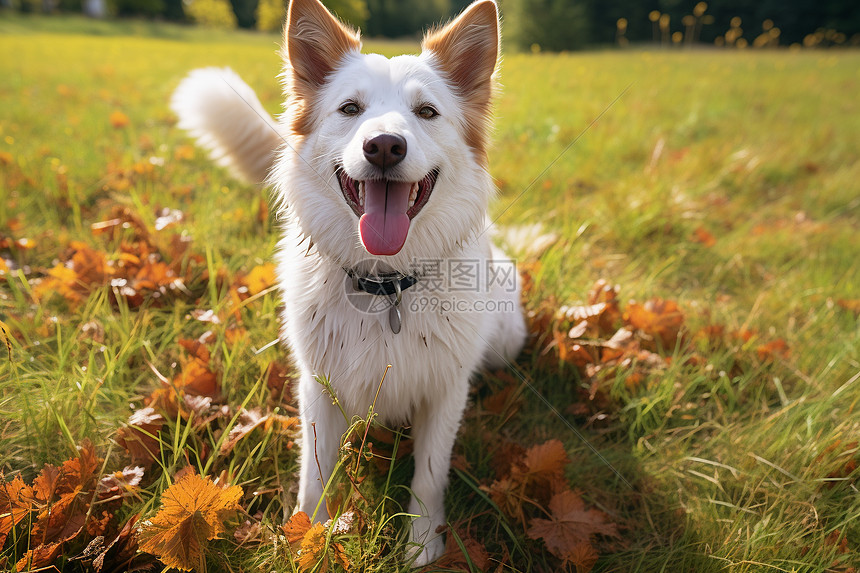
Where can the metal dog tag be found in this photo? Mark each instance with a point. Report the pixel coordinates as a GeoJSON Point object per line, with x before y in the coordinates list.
{"type": "Point", "coordinates": [394, 312]}
{"type": "Point", "coordinates": [394, 319]}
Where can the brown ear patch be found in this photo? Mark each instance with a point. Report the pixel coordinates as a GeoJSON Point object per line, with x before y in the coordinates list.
{"type": "Point", "coordinates": [467, 51]}
{"type": "Point", "coordinates": [315, 42]}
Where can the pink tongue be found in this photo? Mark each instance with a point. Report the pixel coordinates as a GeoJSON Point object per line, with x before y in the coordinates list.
{"type": "Point", "coordinates": [384, 225]}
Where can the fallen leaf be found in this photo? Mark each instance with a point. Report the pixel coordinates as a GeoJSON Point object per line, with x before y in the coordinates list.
{"type": "Point", "coordinates": [850, 305]}
{"type": "Point", "coordinates": [183, 152]}
{"type": "Point", "coordinates": [570, 525]}
{"type": "Point", "coordinates": [140, 437]}
{"type": "Point", "coordinates": [661, 319]}
{"type": "Point", "coordinates": [460, 558]}
{"type": "Point", "coordinates": [313, 547]}
{"type": "Point", "coordinates": [543, 472]}
{"type": "Point", "coordinates": [703, 236]}
{"type": "Point", "coordinates": [120, 552]}
{"type": "Point", "coordinates": [39, 558]}
{"type": "Point", "coordinates": [260, 278]}
{"type": "Point", "coordinates": [196, 378]}
{"type": "Point", "coordinates": [583, 557]}
{"type": "Point", "coordinates": [193, 511]}
{"type": "Point", "coordinates": [296, 527]}
{"type": "Point", "coordinates": [120, 483]}
{"type": "Point", "coordinates": [16, 502]}
{"type": "Point", "coordinates": [195, 348]}
{"type": "Point", "coordinates": [247, 422]}
{"type": "Point", "coordinates": [276, 382]}
{"type": "Point", "coordinates": [774, 349]}
{"type": "Point", "coordinates": [250, 532]}
{"type": "Point", "coordinates": [496, 403]}
{"type": "Point", "coordinates": [119, 120]}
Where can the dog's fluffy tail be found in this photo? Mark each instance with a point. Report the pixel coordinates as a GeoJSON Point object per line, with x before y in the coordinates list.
{"type": "Point", "coordinates": [215, 106]}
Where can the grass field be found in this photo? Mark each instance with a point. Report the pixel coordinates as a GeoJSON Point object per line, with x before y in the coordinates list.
{"type": "Point", "coordinates": [727, 182]}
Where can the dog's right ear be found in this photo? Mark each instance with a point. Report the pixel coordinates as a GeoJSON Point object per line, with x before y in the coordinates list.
{"type": "Point", "coordinates": [314, 44]}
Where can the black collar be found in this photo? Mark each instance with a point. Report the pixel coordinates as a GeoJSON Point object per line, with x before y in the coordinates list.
{"type": "Point", "coordinates": [381, 284]}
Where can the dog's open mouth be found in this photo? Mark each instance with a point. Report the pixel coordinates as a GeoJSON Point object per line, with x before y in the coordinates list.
{"type": "Point", "coordinates": [385, 208]}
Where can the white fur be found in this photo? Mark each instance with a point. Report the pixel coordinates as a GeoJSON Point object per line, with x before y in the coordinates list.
{"type": "Point", "coordinates": [223, 113]}
{"type": "Point", "coordinates": [436, 353]}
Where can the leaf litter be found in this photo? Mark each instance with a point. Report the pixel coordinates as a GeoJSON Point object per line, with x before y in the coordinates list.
{"type": "Point", "coordinates": [76, 506]}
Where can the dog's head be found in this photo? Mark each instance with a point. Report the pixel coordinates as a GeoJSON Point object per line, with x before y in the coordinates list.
{"type": "Point", "coordinates": [390, 154]}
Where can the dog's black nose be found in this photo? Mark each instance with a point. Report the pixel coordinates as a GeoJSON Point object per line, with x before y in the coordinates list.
{"type": "Point", "coordinates": [385, 150]}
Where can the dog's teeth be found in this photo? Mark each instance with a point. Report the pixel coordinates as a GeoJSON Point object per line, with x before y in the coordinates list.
{"type": "Point", "coordinates": [413, 194]}
{"type": "Point", "coordinates": [361, 194]}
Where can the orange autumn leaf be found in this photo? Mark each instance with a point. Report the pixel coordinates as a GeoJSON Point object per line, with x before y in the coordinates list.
{"type": "Point", "coordinates": [86, 270]}
{"type": "Point", "coordinates": [852, 305]}
{"type": "Point", "coordinates": [313, 547]}
{"type": "Point", "coordinates": [61, 497]}
{"type": "Point", "coordinates": [193, 511]}
{"type": "Point", "coordinates": [703, 236]}
{"type": "Point", "coordinates": [119, 120]}
{"type": "Point", "coordinates": [183, 152]}
{"type": "Point", "coordinates": [774, 349]}
{"type": "Point", "coordinates": [544, 464]}
{"type": "Point", "coordinates": [583, 557]}
{"type": "Point", "coordinates": [16, 502]}
{"type": "Point", "coordinates": [39, 558]}
{"type": "Point", "coordinates": [661, 319]}
{"type": "Point", "coordinates": [196, 348]}
{"type": "Point", "coordinates": [196, 378]}
{"type": "Point", "coordinates": [570, 525]}
{"type": "Point", "coordinates": [572, 353]}
{"type": "Point", "coordinates": [45, 483]}
{"type": "Point", "coordinates": [297, 526]}
{"type": "Point", "coordinates": [260, 278]}
{"type": "Point", "coordinates": [79, 471]}
{"type": "Point", "coordinates": [64, 519]}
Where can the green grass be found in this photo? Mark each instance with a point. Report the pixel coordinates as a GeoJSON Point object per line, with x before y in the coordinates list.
{"type": "Point", "coordinates": [727, 456]}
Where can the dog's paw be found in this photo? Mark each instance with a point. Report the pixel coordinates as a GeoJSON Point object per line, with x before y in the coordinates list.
{"type": "Point", "coordinates": [427, 553]}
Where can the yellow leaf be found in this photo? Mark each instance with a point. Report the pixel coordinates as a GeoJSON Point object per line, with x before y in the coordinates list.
{"type": "Point", "coordinates": [183, 152]}
{"type": "Point", "coordinates": [260, 278]}
{"type": "Point", "coordinates": [119, 120]}
{"type": "Point", "coordinates": [313, 547]}
{"type": "Point", "coordinates": [192, 512]}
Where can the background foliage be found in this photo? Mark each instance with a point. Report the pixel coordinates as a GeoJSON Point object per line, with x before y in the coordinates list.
{"type": "Point", "coordinates": [686, 222]}
{"type": "Point", "coordinates": [550, 25]}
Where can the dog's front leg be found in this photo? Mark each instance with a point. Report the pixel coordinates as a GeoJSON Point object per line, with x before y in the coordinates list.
{"type": "Point", "coordinates": [322, 427]}
{"type": "Point", "coordinates": [434, 427]}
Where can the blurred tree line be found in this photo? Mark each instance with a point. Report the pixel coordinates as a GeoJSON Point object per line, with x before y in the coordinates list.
{"type": "Point", "coordinates": [551, 25]}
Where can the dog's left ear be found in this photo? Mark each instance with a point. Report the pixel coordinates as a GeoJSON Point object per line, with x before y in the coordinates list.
{"type": "Point", "coordinates": [467, 52]}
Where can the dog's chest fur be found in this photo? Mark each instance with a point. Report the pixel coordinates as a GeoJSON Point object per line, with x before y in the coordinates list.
{"type": "Point", "coordinates": [332, 338]}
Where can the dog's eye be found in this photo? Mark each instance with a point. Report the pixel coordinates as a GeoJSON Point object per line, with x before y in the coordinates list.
{"type": "Point", "coordinates": [350, 108]}
{"type": "Point", "coordinates": [427, 112]}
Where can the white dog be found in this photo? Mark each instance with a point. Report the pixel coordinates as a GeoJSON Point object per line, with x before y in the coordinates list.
{"type": "Point", "coordinates": [380, 170]}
